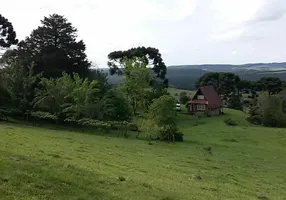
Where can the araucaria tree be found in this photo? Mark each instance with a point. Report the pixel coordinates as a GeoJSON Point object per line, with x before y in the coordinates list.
{"type": "Point", "coordinates": [150, 56]}
{"type": "Point", "coordinates": [224, 83]}
{"type": "Point", "coordinates": [7, 33]}
{"type": "Point", "coordinates": [54, 49]}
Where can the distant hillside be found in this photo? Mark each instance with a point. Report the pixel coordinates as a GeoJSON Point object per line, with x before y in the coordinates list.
{"type": "Point", "coordinates": [185, 76]}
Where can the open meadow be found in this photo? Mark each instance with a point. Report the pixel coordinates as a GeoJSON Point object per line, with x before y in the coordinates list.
{"type": "Point", "coordinates": [215, 161]}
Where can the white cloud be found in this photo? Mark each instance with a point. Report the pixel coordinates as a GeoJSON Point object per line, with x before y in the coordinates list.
{"type": "Point", "coordinates": [185, 31]}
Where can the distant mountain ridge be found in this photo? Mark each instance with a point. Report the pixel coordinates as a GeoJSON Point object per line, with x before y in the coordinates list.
{"type": "Point", "coordinates": [185, 76]}
{"type": "Point", "coordinates": [231, 67]}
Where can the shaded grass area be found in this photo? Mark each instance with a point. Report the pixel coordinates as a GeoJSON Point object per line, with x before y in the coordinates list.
{"type": "Point", "coordinates": [215, 161]}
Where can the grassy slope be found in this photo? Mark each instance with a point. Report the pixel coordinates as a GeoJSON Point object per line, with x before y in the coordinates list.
{"type": "Point", "coordinates": [49, 164]}
{"type": "Point", "coordinates": [174, 91]}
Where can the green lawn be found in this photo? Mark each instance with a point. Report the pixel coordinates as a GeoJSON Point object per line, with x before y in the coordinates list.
{"type": "Point", "coordinates": [246, 162]}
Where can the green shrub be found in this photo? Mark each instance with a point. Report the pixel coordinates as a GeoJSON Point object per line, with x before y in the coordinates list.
{"type": "Point", "coordinates": [132, 127]}
{"type": "Point", "coordinates": [256, 119]}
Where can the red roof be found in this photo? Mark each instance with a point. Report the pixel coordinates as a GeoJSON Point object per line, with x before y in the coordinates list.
{"type": "Point", "coordinates": [210, 95]}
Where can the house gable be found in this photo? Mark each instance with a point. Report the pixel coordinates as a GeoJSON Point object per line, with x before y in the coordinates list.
{"type": "Point", "coordinates": [207, 95]}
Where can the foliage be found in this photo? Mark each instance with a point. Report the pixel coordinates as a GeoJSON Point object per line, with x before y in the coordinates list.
{"type": "Point", "coordinates": [244, 85]}
{"type": "Point", "coordinates": [211, 78]}
{"type": "Point", "coordinates": [136, 83]}
{"type": "Point", "coordinates": [230, 122]}
{"type": "Point", "coordinates": [235, 102]}
{"type": "Point", "coordinates": [150, 56]}
{"type": "Point", "coordinates": [44, 115]}
{"type": "Point", "coordinates": [81, 99]}
{"type": "Point", "coordinates": [272, 85]}
{"type": "Point", "coordinates": [132, 127]}
{"type": "Point", "coordinates": [228, 84]}
{"type": "Point", "coordinates": [150, 129]}
{"type": "Point", "coordinates": [7, 58]}
{"type": "Point", "coordinates": [20, 86]}
{"type": "Point", "coordinates": [7, 33]}
{"type": "Point", "coordinates": [115, 106]}
{"type": "Point", "coordinates": [268, 111]}
{"type": "Point", "coordinates": [184, 98]}
{"type": "Point", "coordinates": [101, 77]}
{"type": "Point", "coordinates": [224, 83]}
{"type": "Point", "coordinates": [52, 93]}
{"type": "Point", "coordinates": [163, 114]}
{"type": "Point", "coordinates": [54, 49]}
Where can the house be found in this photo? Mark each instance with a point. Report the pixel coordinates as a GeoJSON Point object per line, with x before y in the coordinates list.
{"type": "Point", "coordinates": [205, 101]}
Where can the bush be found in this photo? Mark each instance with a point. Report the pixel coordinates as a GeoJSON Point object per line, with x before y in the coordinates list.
{"type": "Point", "coordinates": [132, 127]}
{"type": "Point", "coordinates": [184, 98]}
{"type": "Point", "coordinates": [230, 122]}
{"type": "Point", "coordinates": [246, 102]}
{"type": "Point", "coordinates": [171, 134]}
{"type": "Point", "coordinates": [256, 119]}
{"type": "Point", "coordinates": [268, 111]}
{"type": "Point", "coordinates": [235, 103]}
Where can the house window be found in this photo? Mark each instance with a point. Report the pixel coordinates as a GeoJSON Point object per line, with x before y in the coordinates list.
{"type": "Point", "coordinates": [201, 97]}
{"type": "Point", "coordinates": [201, 107]}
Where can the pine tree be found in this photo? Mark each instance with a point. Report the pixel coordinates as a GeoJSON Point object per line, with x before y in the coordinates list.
{"type": "Point", "coordinates": [53, 49]}
{"type": "Point", "coordinates": [7, 33]}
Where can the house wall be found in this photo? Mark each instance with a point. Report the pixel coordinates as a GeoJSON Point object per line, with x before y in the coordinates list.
{"type": "Point", "coordinates": [192, 108]}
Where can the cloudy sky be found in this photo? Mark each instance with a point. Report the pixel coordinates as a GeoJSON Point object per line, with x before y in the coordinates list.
{"type": "Point", "coordinates": [185, 31]}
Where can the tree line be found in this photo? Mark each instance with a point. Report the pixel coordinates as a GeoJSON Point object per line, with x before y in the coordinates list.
{"type": "Point", "coordinates": [268, 102]}
{"type": "Point", "coordinates": [48, 77]}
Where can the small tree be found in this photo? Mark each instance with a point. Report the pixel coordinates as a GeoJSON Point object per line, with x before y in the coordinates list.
{"type": "Point", "coordinates": [51, 95]}
{"type": "Point", "coordinates": [271, 111]}
{"type": "Point", "coordinates": [136, 83]}
{"type": "Point", "coordinates": [163, 114]}
{"type": "Point", "coordinates": [115, 106]}
{"type": "Point", "coordinates": [82, 98]}
{"type": "Point", "coordinates": [184, 98]}
{"type": "Point", "coordinates": [235, 102]}
{"type": "Point", "coordinates": [20, 86]}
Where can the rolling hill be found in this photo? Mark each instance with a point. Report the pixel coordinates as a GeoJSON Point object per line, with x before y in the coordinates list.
{"type": "Point", "coordinates": [185, 76]}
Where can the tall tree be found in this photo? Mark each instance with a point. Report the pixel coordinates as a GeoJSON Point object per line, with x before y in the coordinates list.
{"type": "Point", "coordinates": [7, 33]}
{"type": "Point", "coordinates": [224, 83]}
{"type": "Point", "coordinates": [273, 85]}
{"type": "Point", "coordinates": [211, 78]}
{"type": "Point", "coordinates": [136, 83]}
{"type": "Point", "coordinates": [228, 84]}
{"type": "Point", "coordinates": [150, 56]}
{"type": "Point", "coordinates": [54, 49]}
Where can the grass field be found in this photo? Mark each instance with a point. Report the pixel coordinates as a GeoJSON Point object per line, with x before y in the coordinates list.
{"type": "Point", "coordinates": [176, 92]}
{"type": "Point", "coordinates": [245, 162]}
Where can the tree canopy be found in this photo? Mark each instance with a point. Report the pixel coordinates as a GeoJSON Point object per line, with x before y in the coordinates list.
{"type": "Point", "coordinates": [224, 83]}
{"type": "Point", "coordinates": [150, 56]}
{"type": "Point", "coordinates": [53, 49]}
{"type": "Point", "coordinates": [7, 33]}
{"type": "Point", "coordinates": [272, 85]}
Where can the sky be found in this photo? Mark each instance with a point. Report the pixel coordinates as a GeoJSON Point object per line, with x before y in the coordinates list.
{"type": "Point", "coordinates": [184, 31]}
